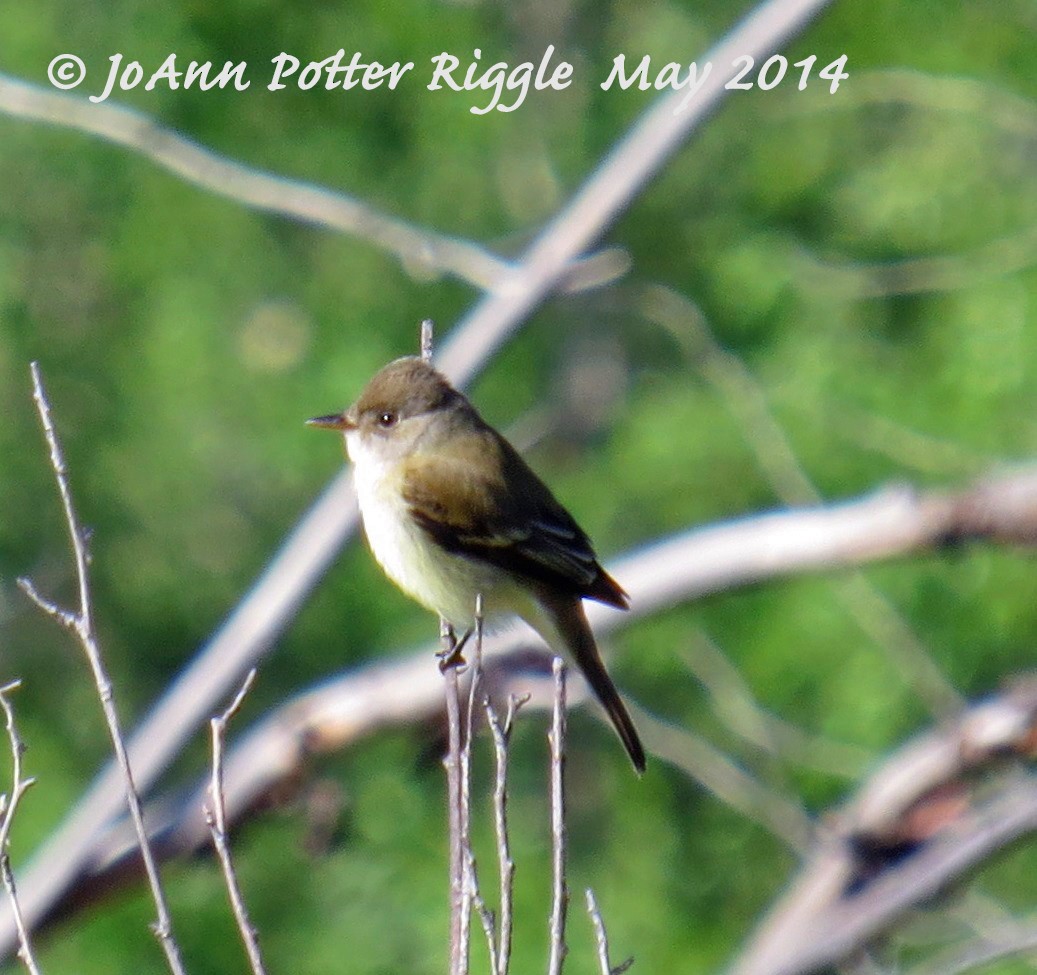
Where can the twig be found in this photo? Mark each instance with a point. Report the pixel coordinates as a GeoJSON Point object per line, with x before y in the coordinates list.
{"type": "Point", "coordinates": [216, 817]}
{"type": "Point", "coordinates": [601, 939]}
{"type": "Point", "coordinates": [427, 329]}
{"type": "Point", "coordinates": [81, 625]}
{"type": "Point", "coordinates": [559, 890]}
{"type": "Point", "coordinates": [488, 922]}
{"type": "Point", "coordinates": [735, 705]}
{"type": "Point", "coordinates": [472, 895]}
{"type": "Point", "coordinates": [450, 660]}
{"type": "Point", "coordinates": [777, 812]}
{"type": "Point", "coordinates": [505, 864]}
{"type": "Point", "coordinates": [9, 805]}
{"type": "Point", "coordinates": [458, 764]}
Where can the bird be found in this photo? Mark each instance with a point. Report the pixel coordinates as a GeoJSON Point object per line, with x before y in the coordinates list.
{"type": "Point", "coordinates": [451, 511]}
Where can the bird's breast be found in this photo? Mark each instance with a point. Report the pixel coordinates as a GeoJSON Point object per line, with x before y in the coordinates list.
{"type": "Point", "coordinates": [442, 581]}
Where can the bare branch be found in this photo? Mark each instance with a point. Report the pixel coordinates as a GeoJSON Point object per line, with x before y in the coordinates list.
{"type": "Point", "coordinates": [450, 661]}
{"type": "Point", "coordinates": [472, 894]}
{"type": "Point", "coordinates": [894, 522]}
{"type": "Point", "coordinates": [81, 623]}
{"type": "Point", "coordinates": [505, 864]}
{"type": "Point", "coordinates": [216, 817]}
{"type": "Point", "coordinates": [10, 803]}
{"type": "Point", "coordinates": [559, 889]}
{"type": "Point", "coordinates": [622, 174]}
{"type": "Point", "coordinates": [488, 922]}
{"type": "Point", "coordinates": [67, 619]}
{"type": "Point", "coordinates": [601, 939]}
{"type": "Point", "coordinates": [417, 248]}
{"type": "Point", "coordinates": [82, 626]}
{"type": "Point", "coordinates": [935, 810]}
{"type": "Point", "coordinates": [980, 953]}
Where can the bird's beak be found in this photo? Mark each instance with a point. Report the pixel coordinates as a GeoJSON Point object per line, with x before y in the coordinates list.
{"type": "Point", "coordinates": [334, 421]}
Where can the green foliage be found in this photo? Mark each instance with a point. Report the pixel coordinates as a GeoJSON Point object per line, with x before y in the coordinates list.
{"type": "Point", "coordinates": [866, 257]}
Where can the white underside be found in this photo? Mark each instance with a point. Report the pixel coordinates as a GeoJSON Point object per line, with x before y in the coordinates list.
{"type": "Point", "coordinates": [441, 581]}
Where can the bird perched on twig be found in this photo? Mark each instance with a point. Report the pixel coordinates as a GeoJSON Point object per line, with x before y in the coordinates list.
{"type": "Point", "coordinates": [451, 510]}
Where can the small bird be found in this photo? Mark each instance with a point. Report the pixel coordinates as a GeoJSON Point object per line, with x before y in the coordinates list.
{"type": "Point", "coordinates": [451, 510]}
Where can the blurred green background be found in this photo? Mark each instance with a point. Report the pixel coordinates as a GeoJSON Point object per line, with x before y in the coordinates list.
{"type": "Point", "coordinates": [866, 258]}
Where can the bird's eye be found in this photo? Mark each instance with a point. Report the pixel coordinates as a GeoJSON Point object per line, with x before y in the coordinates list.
{"type": "Point", "coordinates": [386, 419]}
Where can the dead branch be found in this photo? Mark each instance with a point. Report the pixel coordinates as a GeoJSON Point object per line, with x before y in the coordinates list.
{"type": "Point", "coordinates": [559, 887]}
{"type": "Point", "coordinates": [500, 948]}
{"type": "Point", "coordinates": [8, 809]}
{"type": "Point", "coordinates": [80, 624]}
{"type": "Point", "coordinates": [736, 706]}
{"type": "Point", "coordinates": [450, 663]}
{"type": "Point", "coordinates": [216, 819]}
{"type": "Point", "coordinates": [417, 248]}
{"type": "Point", "coordinates": [601, 939]}
{"type": "Point", "coordinates": [937, 809]}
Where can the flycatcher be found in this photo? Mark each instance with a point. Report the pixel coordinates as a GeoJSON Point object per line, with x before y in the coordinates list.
{"type": "Point", "coordinates": [451, 510]}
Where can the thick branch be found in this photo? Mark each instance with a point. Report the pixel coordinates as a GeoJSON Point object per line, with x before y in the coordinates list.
{"type": "Point", "coordinates": [937, 809]}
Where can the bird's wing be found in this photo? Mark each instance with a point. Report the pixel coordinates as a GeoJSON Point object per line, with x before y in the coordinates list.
{"type": "Point", "coordinates": [512, 521]}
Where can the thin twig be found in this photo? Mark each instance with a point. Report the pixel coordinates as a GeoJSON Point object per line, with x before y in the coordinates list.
{"type": "Point", "coordinates": [10, 807]}
{"type": "Point", "coordinates": [488, 922]}
{"type": "Point", "coordinates": [427, 329]}
{"type": "Point", "coordinates": [601, 939]}
{"type": "Point", "coordinates": [559, 890]}
{"type": "Point", "coordinates": [776, 811]}
{"type": "Point", "coordinates": [746, 400]}
{"type": "Point", "coordinates": [81, 625]}
{"type": "Point", "coordinates": [471, 893]}
{"type": "Point", "coordinates": [457, 764]}
{"type": "Point", "coordinates": [216, 817]}
{"type": "Point", "coordinates": [505, 864]}
{"type": "Point", "coordinates": [449, 662]}
{"type": "Point", "coordinates": [735, 705]}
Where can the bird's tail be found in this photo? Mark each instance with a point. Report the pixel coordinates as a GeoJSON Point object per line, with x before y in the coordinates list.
{"type": "Point", "coordinates": [571, 623]}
